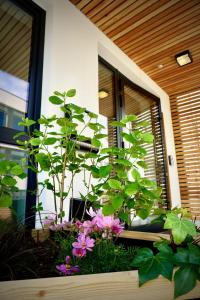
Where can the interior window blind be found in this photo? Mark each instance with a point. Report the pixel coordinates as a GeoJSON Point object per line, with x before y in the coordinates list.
{"type": "Point", "coordinates": [186, 124]}
{"type": "Point", "coordinates": [155, 152]}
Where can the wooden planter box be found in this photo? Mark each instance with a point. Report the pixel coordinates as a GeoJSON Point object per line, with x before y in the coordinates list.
{"type": "Point", "coordinates": [109, 286]}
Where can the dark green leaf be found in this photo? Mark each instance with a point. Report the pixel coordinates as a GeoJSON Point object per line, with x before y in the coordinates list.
{"type": "Point", "coordinates": [142, 255]}
{"type": "Point", "coordinates": [185, 280]}
{"type": "Point", "coordinates": [8, 180]}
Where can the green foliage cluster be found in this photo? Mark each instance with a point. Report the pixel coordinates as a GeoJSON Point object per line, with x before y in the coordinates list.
{"type": "Point", "coordinates": [106, 256]}
{"type": "Point", "coordinates": [9, 171]}
{"type": "Point", "coordinates": [54, 149]}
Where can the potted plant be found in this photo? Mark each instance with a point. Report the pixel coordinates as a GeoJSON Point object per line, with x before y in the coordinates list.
{"type": "Point", "coordinates": [117, 192]}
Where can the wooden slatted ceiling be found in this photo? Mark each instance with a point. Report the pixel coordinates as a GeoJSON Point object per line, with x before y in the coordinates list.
{"type": "Point", "coordinates": [151, 32]}
{"type": "Point", "coordinates": [186, 123]}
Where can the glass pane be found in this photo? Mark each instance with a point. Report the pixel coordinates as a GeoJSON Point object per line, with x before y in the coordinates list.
{"type": "Point", "coordinates": [107, 105]}
{"type": "Point", "coordinates": [15, 31]}
{"type": "Point", "coordinates": [19, 198]}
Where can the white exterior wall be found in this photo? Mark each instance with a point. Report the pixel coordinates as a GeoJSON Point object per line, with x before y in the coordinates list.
{"type": "Point", "coordinates": [72, 46]}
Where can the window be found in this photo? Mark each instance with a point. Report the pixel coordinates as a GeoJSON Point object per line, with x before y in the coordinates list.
{"type": "Point", "coordinates": [21, 60]}
{"type": "Point", "coordinates": [123, 97]}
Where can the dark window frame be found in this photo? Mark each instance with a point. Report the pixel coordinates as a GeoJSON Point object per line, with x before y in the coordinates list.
{"type": "Point", "coordinates": [35, 91]}
{"type": "Point", "coordinates": [120, 80]}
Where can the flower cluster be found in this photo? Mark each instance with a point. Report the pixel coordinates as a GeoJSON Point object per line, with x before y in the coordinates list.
{"type": "Point", "coordinates": [66, 268]}
{"type": "Point", "coordinates": [50, 222]}
{"type": "Point", "coordinates": [99, 226]}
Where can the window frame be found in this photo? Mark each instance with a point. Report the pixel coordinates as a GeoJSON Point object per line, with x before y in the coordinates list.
{"type": "Point", "coordinates": [120, 80]}
{"type": "Point", "coordinates": [35, 91]}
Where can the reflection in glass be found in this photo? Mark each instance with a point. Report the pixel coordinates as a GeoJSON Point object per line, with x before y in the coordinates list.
{"type": "Point", "coordinates": [19, 198]}
{"type": "Point", "coordinates": [107, 105]}
{"type": "Point", "coordinates": [15, 31]}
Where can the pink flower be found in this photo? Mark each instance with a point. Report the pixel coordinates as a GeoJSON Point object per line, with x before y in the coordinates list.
{"type": "Point", "coordinates": [84, 242]}
{"type": "Point", "coordinates": [67, 269]}
{"type": "Point", "coordinates": [110, 223]}
{"type": "Point", "coordinates": [87, 227]}
{"type": "Point", "coordinates": [78, 224]}
{"type": "Point", "coordinates": [78, 252]}
{"type": "Point", "coordinates": [49, 220]}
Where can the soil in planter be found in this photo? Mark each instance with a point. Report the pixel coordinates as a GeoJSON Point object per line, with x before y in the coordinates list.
{"type": "Point", "coordinates": [21, 257]}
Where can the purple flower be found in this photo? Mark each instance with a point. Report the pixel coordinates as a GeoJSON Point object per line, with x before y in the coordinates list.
{"type": "Point", "coordinates": [67, 269]}
{"type": "Point", "coordinates": [84, 242]}
{"type": "Point", "coordinates": [87, 227]}
{"type": "Point", "coordinates": [78, 252]}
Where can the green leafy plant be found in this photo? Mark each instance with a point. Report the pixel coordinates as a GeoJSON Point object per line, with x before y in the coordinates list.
{"type": "Point", "coordinates": [9, 172]}
{"type": "Point", "coordinates": [113, 180]}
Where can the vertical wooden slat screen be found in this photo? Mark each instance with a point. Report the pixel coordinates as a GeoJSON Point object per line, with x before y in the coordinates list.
{"type": "Point", "coordinates": [186, 124]}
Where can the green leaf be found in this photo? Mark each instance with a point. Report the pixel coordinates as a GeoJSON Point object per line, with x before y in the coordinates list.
{"type": "Point", "coordinates": [50, 141]}
{"type": "Point", "coordinates": [104, 171]}
{"type": "Point", "coordinates": [194, 254]}
{"type": "Point", "coordinates": [185, 280]}
{"type": "Point", "coordinates": [100, 136]}
{"type": "Point", "coordinates": [163, 247]}
{"type": "Point", "coordinates": [95, 143]}
{"type": "Point", "coordinates": [17, 170]}
{"type": "Point", "coordinates": [35, 141]}
{"type": "Point", "coordinates": [92, 115]}
{"type": "Point", "coordinates": [130, 118]}
{"type": "Point", "coordinates": [165, 265]}
{"type": "Point", "coordinates": [59, 94]}
{"type": "Point", "coordinates": [5, 200]}
{"type": "Point", "coordinates": [117, 202]}
{"type": "Point", "coordinates": [142, 164]}
{"type": "Point", "coordinates": [71, 93]}
{"type": "Point", "coordinates": [180, 228]}
{"type": "Point", "coordinates": [142, 255]}
{"type": "Point", "coordinates": [131, 188]}
{"type": "Point", "coordinates": [147, 137]}
{"type": "Point", "coordinates": [123, 162]}
{"type": "Point", "coordinates": [181, 257]}
{"type": "Point", "coordinates": [124, 216]}
{"type": "Point", "coordinates": [43, 160]}
{"type": "Point", "coordinates": [136, 175]}
{"type": "Point", "coordinates": [115, 184]}
{"type": "Point", "coordinates": [8, 180]}
{"type": "Point", "coordinates": [117, 124]}
{"type": "Point", "coordinates": [108, 210]}
{"type": "Point", "coordinates": [143, 213]}
{"type": "Point", "coordinates": [55, 100]}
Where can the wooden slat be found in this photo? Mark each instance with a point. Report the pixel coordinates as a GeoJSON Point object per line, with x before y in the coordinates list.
{"type": "Point", "coordinates": [151, 33]}
{"type": "Point", "coordinates": [112, 286]}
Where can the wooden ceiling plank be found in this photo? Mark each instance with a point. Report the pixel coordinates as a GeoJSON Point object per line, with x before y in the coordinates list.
{"type": "Point", "coordinates": [163, 31]}
{"type": "Point", "coordinates": [131, 18]}
{"type": "Point", "coordinates": [94, 8]}
{"type": "Point", "coordinates": [115, 18]}
{"type": "Point", "coordinates": [194, 31]}
{"type": "Point", "coordinates": [159, 20]}
{"type": "Point", "coordinates": [83, 3]}
{"type": "Point", "coordinates": [116, 13]}
{"type": "Point", "coordinates": [148, 17]}
{"type": "Point", "coordinates": [106, 11]}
